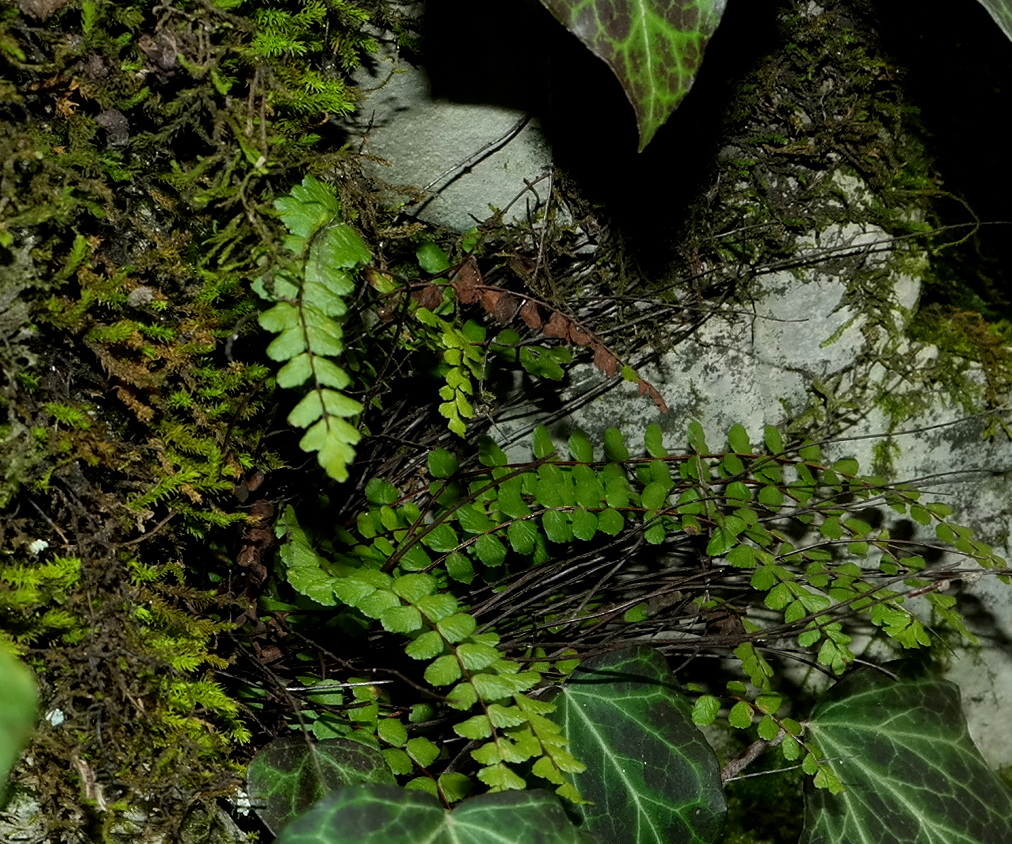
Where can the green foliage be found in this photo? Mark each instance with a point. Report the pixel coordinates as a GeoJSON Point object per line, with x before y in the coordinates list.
{"type": "Point", "coordinates": [879, 771]}
{"type": "Point", "coordinates": [1001, 11]}
{"type": "Point", "coordinates": [654, 779]}
{"type": "Point", "coordinates": [291, 774]}
{"type": "Point", "coordinates": [468, 667]}
{"type": "Point", "coordinates": [651, 776]}
{"type": "Point", "coordinates": [309, 292]}
{"type": "Point", "coordinates": [183, 641]}
{"type": "Point", "coordinates": [138, 250]}
{"type": "Point", "coordinates": [387, 813]}
{"type": "Point", "coordinates": [464, 356]}
{"type": "Point", "coordinates": [653, 48]}
{"type": "Point", "coordinates": [18, 703]}
{"type": "Point", "coordinates": [787, 536]}
{"type": "Point", "coordinates": [33, 596]}
{"type": "Point", "coordinates": [310, 286]}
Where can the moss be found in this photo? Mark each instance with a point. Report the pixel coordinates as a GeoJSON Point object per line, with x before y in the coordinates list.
{"type": "Point", "coordinates": [142, 147]}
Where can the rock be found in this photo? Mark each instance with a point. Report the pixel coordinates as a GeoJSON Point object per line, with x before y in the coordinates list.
{"type": "Point", "coordinates": [469, 160]}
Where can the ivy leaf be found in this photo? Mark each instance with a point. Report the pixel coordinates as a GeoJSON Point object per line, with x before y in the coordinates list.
{"type": "Point", "coordinates": [654, 47]}
{"type": "Point", "coordinates": [1001, 11]}
{"type": "Point", "coordinates": [651, 777]}
{"type": "Point", "coordinates": [290, 774]}
{"type": "Point", "coordinates": [380, 814]}
{"type": "Point", "coordinates": [915, 775]}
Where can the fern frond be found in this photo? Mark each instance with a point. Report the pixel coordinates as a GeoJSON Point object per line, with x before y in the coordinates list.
{"type": "Point", "coordinates": [307, 319]}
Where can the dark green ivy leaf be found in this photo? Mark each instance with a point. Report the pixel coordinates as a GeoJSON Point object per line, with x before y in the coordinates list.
{"type": "Point", "coordinates": [651, 777]}
{"type": "Point", "coordinates": [914, 777]}
{"type": "Point", "coordinates": [290, 774]}
{"type": "Point", "coordinates": [381, 814]}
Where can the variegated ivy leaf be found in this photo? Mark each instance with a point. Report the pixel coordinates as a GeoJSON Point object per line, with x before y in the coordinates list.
{"type": "Point", "coordinates": [380, 814]}
{"type": "Point", "coordinates": [290, 774]}
{"type": "Point", "coordinates": [651, 777]}
{"type": "Point", "coordinates": [1001, 11]}
{"type": "Point", "coordinates": [654, 47]}
{"type": "Point", "coordinates": [898, 744]}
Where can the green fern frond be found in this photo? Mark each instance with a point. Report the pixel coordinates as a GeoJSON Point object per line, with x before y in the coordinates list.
{"type": "Point", "coordinates": [309, 296]}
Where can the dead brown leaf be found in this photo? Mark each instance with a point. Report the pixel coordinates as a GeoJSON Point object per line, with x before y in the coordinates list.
{"type": "Point", "coordinates": [531, 316]}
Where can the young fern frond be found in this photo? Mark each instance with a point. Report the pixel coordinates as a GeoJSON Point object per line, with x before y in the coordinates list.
{"type": "Point", "coordinates": [309, 293]}
{"type": "Point", "coordinates": [464, 355]}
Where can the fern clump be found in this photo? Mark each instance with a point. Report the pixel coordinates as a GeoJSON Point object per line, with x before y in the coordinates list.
{"type": "Point", "coordinates": [771, 537]}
